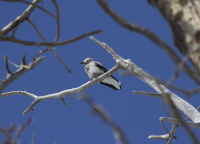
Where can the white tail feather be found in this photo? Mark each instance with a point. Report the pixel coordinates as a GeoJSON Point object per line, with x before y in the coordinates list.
{"type": "Point", "coordinates": [113, 82]}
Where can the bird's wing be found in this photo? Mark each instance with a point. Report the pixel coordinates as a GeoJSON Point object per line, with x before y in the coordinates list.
{"type": "Point", "coordinates": [100, 66]}
{"type": "Point", "coordinates": [109, 85]}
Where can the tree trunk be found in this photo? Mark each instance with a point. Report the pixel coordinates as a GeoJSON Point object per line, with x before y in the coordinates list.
{"type": "Point", "coordinates": [183, 16]}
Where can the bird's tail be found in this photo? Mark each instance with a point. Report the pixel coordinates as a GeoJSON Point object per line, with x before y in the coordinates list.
{"type": "Point", "coordinates": [112, 83]}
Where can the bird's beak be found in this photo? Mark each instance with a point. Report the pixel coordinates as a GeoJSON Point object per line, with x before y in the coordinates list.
{"type": "Point", "coordinates": [82, 63]}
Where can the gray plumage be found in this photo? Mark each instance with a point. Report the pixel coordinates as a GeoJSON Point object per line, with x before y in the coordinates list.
{"type": "Point", "coordinates": [95, 69]}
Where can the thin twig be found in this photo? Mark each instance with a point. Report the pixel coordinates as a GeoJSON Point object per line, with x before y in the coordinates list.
{"type": "Point", "coordinates": [62, 99]}
{"type": "Point", "coordinates": [8, 137]}
{"type": "Point", "coordinates": [55, 54]}
{"type": "Point", "coordinates": [164, 105]}
{"type": "Point", "coordinates": [27, 43]}
{"type": "Point", "coordinates": [19, 19]}
{"type": "Point", "coordinates": [182, 90]}
{"type": "Point", "coordinates": [26, 2]}
{"type": "Point", "coordinates": [33, 139]}
{"type": "Point", "coordinates": [44, 40]}
{"type": "Point", "coordinates": [119, 136]}
{"type": "Point", "coordinates": [147, 93]}
{"type": "Point", "coordinates": [39, 53]}
{"type": "Point", "coordinates": [177, 115]}
{"type": "Point", "coordinates": [36, 29]}
{"type": "Point", "coordinates": [18, 93]}
{"type": "Point", "coordinates": [23, 126]}
{"type": "Point", "coordinates": [14, 31]}
{"type": "Point", "coordinates": [18, 66]}
{"type": "Point", "coordinates": [56, 39]}
{"type": "Point", "coordinates": [11, 128]}
{"type": "Point", "coordinates": [7, 66]}
{"type": "Point", "coordinates": [58, 20]}
{"type": "Point", "coordinates": [12, 63]}
{"type": "Point", "coordinates": [180, 66]}
{"type": "Point", "coordinates": [5, 82]}
{"type": "Point", "coordinates": [188, 117]}
{"type": "Point", "coordinates": [192, 92]}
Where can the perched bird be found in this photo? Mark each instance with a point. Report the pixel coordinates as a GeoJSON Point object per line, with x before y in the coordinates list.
{"type": "Point", "coordinates": [95, 69]}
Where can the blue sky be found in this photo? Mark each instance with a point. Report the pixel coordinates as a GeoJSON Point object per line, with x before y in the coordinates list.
{"type": "Point", "coordinates": [138, 116]}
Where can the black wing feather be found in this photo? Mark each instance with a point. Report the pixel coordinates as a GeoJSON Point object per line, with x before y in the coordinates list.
{"type": "Point", "coordinates": [104, 69]}
{"type": "Point", "coordinates": [101, 67]}
{"type": "Point", "coordinates": [114, 78]}
{"type": "Point", "coordinates": [109, 85]}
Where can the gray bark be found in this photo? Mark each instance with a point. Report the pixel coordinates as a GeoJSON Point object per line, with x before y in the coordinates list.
{"type": "Point", "coordinates": [183, 17]}
{"type": "Point", "coordinates": [14, 75]}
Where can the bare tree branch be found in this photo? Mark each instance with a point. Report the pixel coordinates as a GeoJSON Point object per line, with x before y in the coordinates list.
{"type": "Point", "coordinates": [188, 93]}
{"type": "Point", "coordinates": [183, 19]}
{"type": "Point", "coordinates": [24, 65]}
{"type": "Point", "coordinates": [7, 67]}
{"type": "Point", "coordinates": [58, 20]}
{"type": "Point", "coordinates": [14, 31]}
{"type": "Point", "coordinates": [36, 29]}
{"type": "Point", "coordinates": [62, 93]}
{"type": "Point", "coordinates": [33, 139]}
{"type": "Point", "coordinates": [19, 19]}
{"type": "Point", "coordinates": [71, 91]}
{"type": "Point", "coordinates": [147, 93]}
{"type": "Point", "coordinates": [56, 39]}
{"type": "Point", "coordinates": [8, 137]}
{"type": "Point", "coordinates": [58, 35]}
{"type": "Point", "coordinates": [23, 126]}
{"type": "Point", "coordinates": [197, 125]}
{"type": "Point", "coordinates": [26, 2]}
{"type": "Point", "coordinates": [181, 104]}
{"type": "Point", "coordinates": [55, 54]}
{"type": "Point", "coordinates": [10, 77]}
{"type": "Point", "coordinates": [62, 99]}
{"type": "Point", "coordinates": [173, 100]}
{"type": "Point", "coordinates": [167, 137]}
{"type": "Point", "coordinates": [177, 115]}
{"type": "Point", "coordinates": [27, 43]}
{"type": "Point", "coordinates": [18, 93]}
{"type": "Point", "coordinates": [152, 37]}
{"type": "Point", "coordinates": [119, 136]}
{"type": "Point", "coordinates": [188, 117]}
{"type": "Point", "coordinates": [16, 130]}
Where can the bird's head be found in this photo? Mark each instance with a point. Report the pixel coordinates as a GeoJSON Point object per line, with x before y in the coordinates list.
{"type": "Point", "coordinates": [87, 61]}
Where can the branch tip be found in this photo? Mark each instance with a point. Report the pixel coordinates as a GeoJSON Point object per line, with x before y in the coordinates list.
{"type": "Point", "coordinates": [7, 67]}
{"type": "Point", "coordinates": [62, 99]}
{"type": "Point", "coordinates": [24, 59]}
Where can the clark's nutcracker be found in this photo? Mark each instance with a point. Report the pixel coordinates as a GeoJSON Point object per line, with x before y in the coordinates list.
{"type": "Point", "coordinates": [95, 69]}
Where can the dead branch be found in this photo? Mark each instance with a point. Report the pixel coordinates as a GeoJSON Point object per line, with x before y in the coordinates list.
{"type": "Point", "coordinates": [19, 19]}
{"type": "Point", "coordinates": [136, 28]}
{"type": "Point", "coordinates": [28, 3]}
{"type": "Point", "coordinates": [27, 43]}
{"type": "Point", "coordinates": [19, 72]}
{"type": "Point", "coordinates": [119, 136]}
